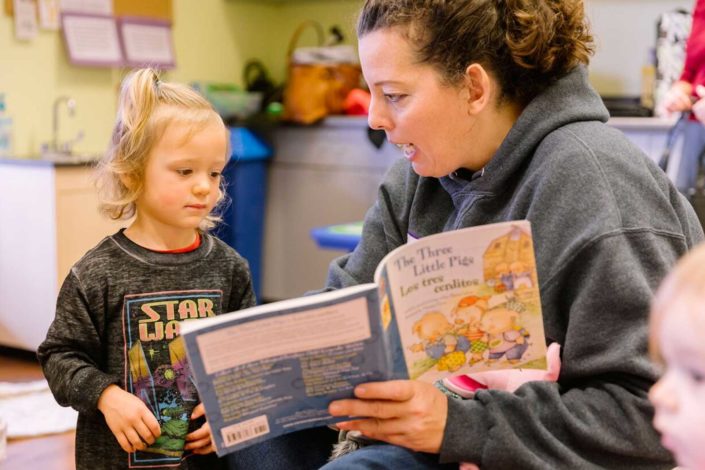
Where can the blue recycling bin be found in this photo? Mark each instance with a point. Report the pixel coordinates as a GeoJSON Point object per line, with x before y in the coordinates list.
{"type": "Point", "coordinates": [246, 179]}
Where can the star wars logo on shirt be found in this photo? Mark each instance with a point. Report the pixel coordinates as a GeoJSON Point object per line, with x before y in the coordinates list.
{"type": "Point", "coordinates": [160, 319]}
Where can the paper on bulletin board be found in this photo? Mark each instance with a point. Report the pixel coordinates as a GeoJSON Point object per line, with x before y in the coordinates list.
{"type": "Point", "coordinates": [25, 19]}
{"type": "Point", "coordinates": [92, 40]}
{"type": "Point", "coordinates": [49, 14]}
{"type": "Point", "coordinates": [91, 7]}
{"type": "Point", "coordinates": [147, 43]}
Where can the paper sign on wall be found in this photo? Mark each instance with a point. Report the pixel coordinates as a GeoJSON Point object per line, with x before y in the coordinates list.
{"type": "Point", "coordinates": [49, 14]}
{"type": "Point", "coordinates": [147, 43]}
{"type": "Point", "coordinates": [92, 40]}
{"type": "Point", "coordinates": [90, 7]}
{"type": "Point", "coordinates": [25, 19]}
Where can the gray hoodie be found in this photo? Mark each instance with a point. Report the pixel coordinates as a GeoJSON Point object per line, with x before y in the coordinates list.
{"type": "Point", "coordinates": [607, 227]}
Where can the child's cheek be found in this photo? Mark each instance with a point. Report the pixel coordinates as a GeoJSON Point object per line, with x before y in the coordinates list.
{"type": "Point", "coordinates": [169, 199]}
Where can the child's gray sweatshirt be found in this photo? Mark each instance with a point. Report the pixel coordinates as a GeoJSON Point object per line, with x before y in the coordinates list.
{"type": "Point", "coordinates": [117, 323]}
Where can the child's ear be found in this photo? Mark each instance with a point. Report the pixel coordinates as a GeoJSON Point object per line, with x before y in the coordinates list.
{"type": "Point", "coordinates": [128, 181]}
{"type": "Point", "coordinates": [477, 86]}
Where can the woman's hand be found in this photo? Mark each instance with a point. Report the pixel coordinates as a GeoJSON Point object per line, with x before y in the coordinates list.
{"type": "Point", "coordinates": [677, 99]}
{"type": "Point", "coordinates": [199, 441]}
{"type": "Point", "coordinates": [406, 413]}
{"type": "Point", "coordinates": [699, 106]}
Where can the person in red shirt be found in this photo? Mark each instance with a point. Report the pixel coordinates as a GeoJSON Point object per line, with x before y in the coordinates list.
{"type": "Point", "coordinates": [686, 95]}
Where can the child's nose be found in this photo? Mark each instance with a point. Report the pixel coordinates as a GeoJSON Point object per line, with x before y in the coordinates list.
{"type": "Point", "coordinates": [663, 396]}
{"type": "Point", "coordinates": [202, 186]}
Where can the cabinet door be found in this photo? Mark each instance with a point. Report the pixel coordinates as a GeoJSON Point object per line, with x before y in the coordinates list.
{"type": "Point", "coordinates": [28, 284]}
{"type": "Point", "coordinates": [319, 176]}
{"type": "Point", "coordinates": [79, 225]}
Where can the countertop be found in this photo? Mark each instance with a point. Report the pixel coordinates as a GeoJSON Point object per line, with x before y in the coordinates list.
{"type": "Point", "coordinates": [632, 123]}
{"type": "Point", "coordinates": [622, 123]}
{"type": "Point", "coordinates": [57, 162]}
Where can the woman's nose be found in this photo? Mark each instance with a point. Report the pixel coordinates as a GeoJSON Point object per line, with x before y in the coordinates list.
{"type": "Point", "coordinates": [376, 118]}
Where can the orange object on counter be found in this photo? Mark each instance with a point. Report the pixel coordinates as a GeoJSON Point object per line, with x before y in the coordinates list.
{"type": "Point", "coordinates": [357, 103]}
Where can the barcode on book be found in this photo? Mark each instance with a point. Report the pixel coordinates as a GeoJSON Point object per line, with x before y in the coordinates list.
{"type": "Point", "coordinates": [246, 430]}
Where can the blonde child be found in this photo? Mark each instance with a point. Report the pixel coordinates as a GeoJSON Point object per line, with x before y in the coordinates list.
{"type": "Point", "coordinates": [677, 332]}
{"type": "Point", "coordinates": [113, 352]}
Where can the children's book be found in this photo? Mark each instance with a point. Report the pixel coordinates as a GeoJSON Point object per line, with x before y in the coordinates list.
{"type": "Point", "coordinates": [456, 302]}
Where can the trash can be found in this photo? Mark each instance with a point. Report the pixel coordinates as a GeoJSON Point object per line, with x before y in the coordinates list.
{"type": "Point", "coordinates": [246, 179]}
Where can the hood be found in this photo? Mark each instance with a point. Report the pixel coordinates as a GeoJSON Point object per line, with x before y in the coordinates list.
{"type": "Point", "coordinates": [571, 99]}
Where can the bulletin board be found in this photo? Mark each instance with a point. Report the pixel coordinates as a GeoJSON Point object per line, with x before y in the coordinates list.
{"type": "Point", "coordinates": [158, 9]}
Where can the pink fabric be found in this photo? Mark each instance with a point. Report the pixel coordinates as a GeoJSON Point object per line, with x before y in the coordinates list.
{"type": "Point", "coordinates": [694, 67]}
{"type": "Point", "coordinates": [508, 380]}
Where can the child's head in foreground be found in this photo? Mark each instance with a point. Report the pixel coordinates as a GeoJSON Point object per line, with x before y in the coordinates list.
{"type": "Point", "coordinates": [168, 149]}
{"type": "Point", "coordinates": [678, 341]}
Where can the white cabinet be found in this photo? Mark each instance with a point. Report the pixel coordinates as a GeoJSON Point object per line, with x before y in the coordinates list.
{"type": "Point", "coordinates": [48, 219]}
{"type": "Point", "coordinates": [320, 175]}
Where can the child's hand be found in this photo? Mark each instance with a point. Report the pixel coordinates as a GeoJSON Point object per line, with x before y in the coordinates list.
{"type": "Point", "coordinates": [129, 419]}
{"type": "Point", "coordinates": [199, 441]}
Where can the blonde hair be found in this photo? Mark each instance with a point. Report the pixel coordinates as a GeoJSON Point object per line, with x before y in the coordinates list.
{"type": "Point", "coordinates": [683, 290]}
{"type": "Point", "coordinates": [147, 106]}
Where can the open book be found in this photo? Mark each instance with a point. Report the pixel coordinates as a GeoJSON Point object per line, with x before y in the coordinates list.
{"type": "Point", "coordinates": [452, 303]}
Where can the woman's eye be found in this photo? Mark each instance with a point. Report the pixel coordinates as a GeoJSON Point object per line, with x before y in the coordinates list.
{"type": "Point", "coordinates": [184, 171]}
{"type": "Point", "coordinates": [215, 174]}
{"type": "Point", "coordinates": [394, 97]}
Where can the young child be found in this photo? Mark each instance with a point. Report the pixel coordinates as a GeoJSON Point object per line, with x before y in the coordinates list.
{"type": "Point", "coordinates": [677, 331]}
{"type": "Point", "coordinates": [113, 352]}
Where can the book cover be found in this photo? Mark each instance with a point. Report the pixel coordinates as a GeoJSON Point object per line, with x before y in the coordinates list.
{"type": "Point", "coordinates": [453, 303]}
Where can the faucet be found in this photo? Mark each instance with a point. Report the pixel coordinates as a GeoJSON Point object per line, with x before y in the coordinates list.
{"type": "Point", "coordinates": [71, 106]}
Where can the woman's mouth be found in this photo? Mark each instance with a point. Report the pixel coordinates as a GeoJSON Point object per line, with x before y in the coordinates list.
{"type": "Point", "coordinates": [408, 150]}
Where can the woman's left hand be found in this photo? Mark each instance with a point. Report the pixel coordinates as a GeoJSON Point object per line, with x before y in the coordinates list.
{"type": "Point", "coordinates": [401, 412]}
{"type": "Point", "coordinates": [200, 441]}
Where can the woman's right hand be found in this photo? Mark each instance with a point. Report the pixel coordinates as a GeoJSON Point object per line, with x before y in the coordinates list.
{"type": "Point", "coordinates": [677, 98]}
{"type": "Point", "coordinates": [129, 419]}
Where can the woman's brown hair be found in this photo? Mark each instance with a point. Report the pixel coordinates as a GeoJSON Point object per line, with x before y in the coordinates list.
{"type": "Point", "coordinates": [526, 44]}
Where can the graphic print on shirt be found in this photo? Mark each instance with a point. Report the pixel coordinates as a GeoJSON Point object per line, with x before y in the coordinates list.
{"type": "Point", "coordinates": [156, 368]}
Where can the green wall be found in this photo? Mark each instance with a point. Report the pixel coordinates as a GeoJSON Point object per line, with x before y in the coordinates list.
{"type": "Point", "coordinates": [212, 38]}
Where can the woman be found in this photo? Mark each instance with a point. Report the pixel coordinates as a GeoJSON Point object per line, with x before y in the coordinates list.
{"type": "Point", "coordinates": [686, 95]}
{"type": "Point", "coordinates": [490, 103]}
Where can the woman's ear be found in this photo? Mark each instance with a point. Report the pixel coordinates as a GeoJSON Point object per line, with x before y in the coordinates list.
{"type": "Point", "coordinates": [478, 85]}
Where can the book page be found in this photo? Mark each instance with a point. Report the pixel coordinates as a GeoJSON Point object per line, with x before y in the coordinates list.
{"type": "Point", "coordinates": [466, 301]}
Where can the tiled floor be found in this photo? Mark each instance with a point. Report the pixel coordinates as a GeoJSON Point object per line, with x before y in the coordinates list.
{"type": "Point", "coordinates": [54, 452]}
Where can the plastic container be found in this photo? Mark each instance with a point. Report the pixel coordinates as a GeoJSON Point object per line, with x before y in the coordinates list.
{"type": "Point", "coordinates": [243, 220]}
{"type": "Point", "coordinates": [5, 130]}
{"type": "Point", "coordinates": [229, 100]}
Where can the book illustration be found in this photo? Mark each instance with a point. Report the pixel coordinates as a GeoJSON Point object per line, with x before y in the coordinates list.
{"type": "Point", "coordinates": [483, 317]}
{"type": "Point", "coordinates": [157, 366]}
{"type": "Point", "coordinates": [385, 307]}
